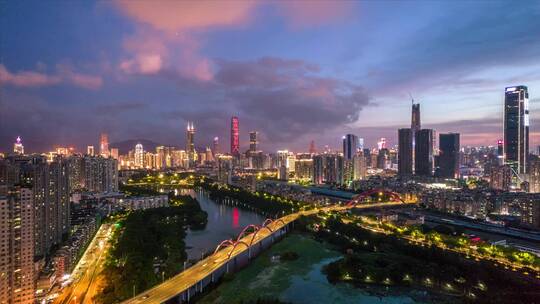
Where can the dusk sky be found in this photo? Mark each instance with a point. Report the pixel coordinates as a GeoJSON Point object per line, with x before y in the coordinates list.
{"type": "Point", "coordinates": [292, 70]}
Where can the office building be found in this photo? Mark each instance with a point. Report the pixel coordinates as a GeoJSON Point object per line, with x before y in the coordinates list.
{"type": "Point", "coordinates": [104, 145]}
{"type": "Point", "coordinates": [235, 137]}
{"type": "Point", "coordinates": [350, 146]}
{"type": "Point", "coordinates": [405, 152]}
{"type": "Point", "coordinates": [423, 158]}
{"type": "Point", "coordinates": [253, 141]}
{"type": "Point", "coordinates": [17, 278]}
{"type": "Point", "coordinates": [449, 155]}
{"type": "Point", "coordinates": [90, 151]}
{"type": "Point", "coordinates": [516, 128]}
{"type": "Point", "coordinates": [215, 147]}
{"type": "Point", "coordinates": [18, 147]}
{"type": "Point", "coordinates": [190, 142]}
{"type": "Point", "coordinates": [139, 156]}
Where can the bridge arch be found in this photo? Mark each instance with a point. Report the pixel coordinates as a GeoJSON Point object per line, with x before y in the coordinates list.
{"type": "Point", "coordinates": [234, 247]}
{"type": "Point", "coordinates": [255, 234]}
{"type": "Point", "coordinates": [241, 234]}
{"type": "Point", "coordinates": [356, 199]}
{"type": "Point", "coordinates": [224, 244]}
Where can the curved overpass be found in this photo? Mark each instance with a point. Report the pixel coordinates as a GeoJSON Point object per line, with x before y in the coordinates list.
{"type": "Point", "coordinates": [193, 279]}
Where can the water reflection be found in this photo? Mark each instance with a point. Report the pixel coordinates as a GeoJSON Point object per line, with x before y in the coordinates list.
{"type": "Point", "coordinates": [224, 222]}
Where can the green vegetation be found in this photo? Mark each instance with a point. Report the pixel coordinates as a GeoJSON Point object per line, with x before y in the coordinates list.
{"type": "Point", "coordinates": [263, 203]}
{"type": "Point", "coordinates": [149, 247]}
{"type": "Point", "coordinates": [388, 259]}
{"type": "Point", "coordinates": [288, 256]}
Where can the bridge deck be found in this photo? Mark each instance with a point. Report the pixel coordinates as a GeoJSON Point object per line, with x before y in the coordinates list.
{"type": "Point", "coordinates": [204, 268]}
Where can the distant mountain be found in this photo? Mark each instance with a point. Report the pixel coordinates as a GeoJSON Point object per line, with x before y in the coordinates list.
{"type": "Point", "coordinates": [126, 145]}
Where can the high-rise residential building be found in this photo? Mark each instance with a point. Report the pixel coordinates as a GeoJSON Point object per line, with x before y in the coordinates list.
{"type": "Point", "coordinates": [516, 128]}
{"type": "Point", "coordinates": [139, 155]}
{"type": "Point", "coordinates": [235, 137]}
{"type": "Point", "coordinates": [104, 145]}
{"type": "Point", "coordinates": [350, 146]}
{"type": "Point", "coordinates": [253, 141]}
{"type": "Point", "coordinates": [190, 142]}
{"type": "Point", "coordinates": [423, 158]}
{"type": "Point", "coordinates": [18, 147]}
{"type": "Point", "coordinates": [534, 175]}
{"type": "Point", "coordinates": [215, 148]}
{"type": "Point", "coordinates": [501, 178]}
{"type": "Point", "coordinates": [405, 152]}
{"type": "Point", "coordinates": [449, 155]}
{"type": "Point", "coordinates": [17, 279]}
{"type": "Point", "coordinates": [328, 169]}
{"type": "Point", "coordinates": [90, 151]}
{"type": "Point", "coordinates": [303, 166]}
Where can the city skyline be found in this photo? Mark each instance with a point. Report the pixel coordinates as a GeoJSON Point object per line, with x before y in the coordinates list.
{"type": "Point", "coordinates": [290, 92]}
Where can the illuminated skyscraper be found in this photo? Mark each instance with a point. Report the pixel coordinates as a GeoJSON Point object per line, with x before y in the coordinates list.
{"type": "Point", "coordinates": [215, 148]}
{"type": "Point", "coordinates": [18, 147]}
{"type": "Point", "coordinates": [350, 146]}
{"type": "Point", "coordinates": [235, 137]}
{"type": "Point", "coordinates": [17, 279]}
{"type": "Point", "coordinates": [190, 142]}
{"type": "Point", "coordinates": [312, 148]}
{"type": "Point", "coordinates": [405, 152]}
{"type": "Point", "coordinates": [253, 141]}
{"type": "Point", "coordinates": [104, 145]}
{"type": "Point", "coordinates": [139, 155]}
{"type": "Point", "coordinates": [381, 144]}
{"type": "Point", "coordinates": [90, 151]}
{"type": "Point", "coordinates": [423, 158]}
{"type": "Point", "coordinates": [516, 128]}
{"type": "Point", "coordinates": [449, 155]}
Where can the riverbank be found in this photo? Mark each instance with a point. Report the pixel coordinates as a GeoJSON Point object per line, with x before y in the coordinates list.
{"type": "Point", "coordinates": [301, 280]}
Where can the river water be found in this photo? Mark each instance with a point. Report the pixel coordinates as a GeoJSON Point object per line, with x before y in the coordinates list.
{"type": "Point", "coordinates": [224, 222]}
{"type": "Point", "coordinates": [301, 284]}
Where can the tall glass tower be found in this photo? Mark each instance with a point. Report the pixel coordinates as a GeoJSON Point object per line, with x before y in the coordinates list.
{"type": "Point", "coordinates": [516, 128]}
{"type": "Point", "coordinates": [350, 146]}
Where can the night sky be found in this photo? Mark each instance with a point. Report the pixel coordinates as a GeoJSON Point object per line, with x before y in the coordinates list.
{"type": "Point", "coordinates": [292, 70]}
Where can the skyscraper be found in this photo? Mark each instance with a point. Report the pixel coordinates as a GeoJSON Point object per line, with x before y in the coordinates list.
{"type": "Point", "coordinates": [449, 155]}
{"type": "Point", "coordinates": [17, 279]}
{"type": "Point", "coordinates": [235, 137]}
{"type": "Point", "coordinates": [423, 158]}
{"type": "Point", "coordinates": [104, 145]}
{"type": "Point", "coordinates": [350, 146]}
{"type": "Point", "coordinates": [215, 148]}
{"type": "Point", "coordinates": [405, 152]}
{"type": "Point", "coordinates": [253, 141]}
{"type": "Point", "coordinates": [139, 155]}
{"type": "Point", "coordinates": [312, 148]}
{"type": "Point", "coordinates": [90, 151]}
{"type": "Point", "coordinates": [415, 127]}
{"type": "Point", "coordinates": [516, 128]}
{"type": "Point", "coordinates": [18, 147]}
{"type": "Point", "coordinates": [415, 119]}
{"type": "Point", "coordinates": [190, 142]}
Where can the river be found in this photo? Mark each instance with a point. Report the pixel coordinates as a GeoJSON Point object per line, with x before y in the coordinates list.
{"type": "Point", "coordinates": [224, 222]}
{"type": "Point", "coordinates": [298, 282]}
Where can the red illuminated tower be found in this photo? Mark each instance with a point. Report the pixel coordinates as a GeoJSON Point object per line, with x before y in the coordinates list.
{"type": "Point", "coordinates": [235, 137]}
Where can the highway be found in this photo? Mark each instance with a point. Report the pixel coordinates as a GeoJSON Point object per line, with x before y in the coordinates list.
{"type": "Point", "coordinates": [85, 274]}
{"type": "Point", "coordinates": [204, 268]}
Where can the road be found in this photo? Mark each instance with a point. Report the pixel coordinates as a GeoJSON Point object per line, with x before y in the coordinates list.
{"type": "Point", "coordinates": [207, 266]}
{"type": "Point", "coordinates": [84, 275]}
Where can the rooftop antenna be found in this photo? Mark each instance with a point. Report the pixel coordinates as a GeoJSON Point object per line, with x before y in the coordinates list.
{"type": "Point", "coordinates": [412, 99]}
